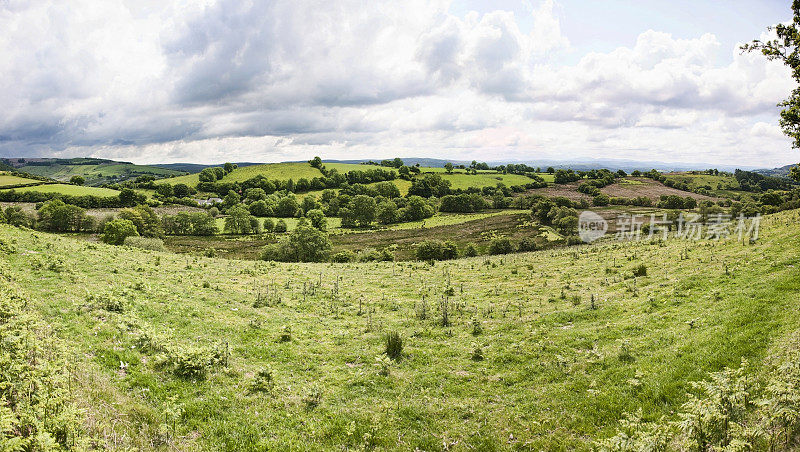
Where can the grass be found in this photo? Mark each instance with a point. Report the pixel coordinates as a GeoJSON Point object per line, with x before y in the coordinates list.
{"type": "Point", "coordinates": [291, 223]}
{"type": "Point", "coordinates": [552, 375]}
{"type": "Point", "coordinates": [480, 180]}
{"type": "Point", "coordinates": [275, 171]}
{"type": "Point", "coordinates": [448, 219]}
{"type": "Point", "coordinates": [73, 190]}
{"type": "Point", "coordinates": [8, 179]}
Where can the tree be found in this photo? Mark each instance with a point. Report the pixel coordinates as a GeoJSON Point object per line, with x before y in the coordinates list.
{"type": "Point", "coordinates": [260, 209]}
{"type": "Point", "coordinates": [316, 162]}
{"type": "Point", "coordinates": [181, 190]}
{"type": "Point", "coordinates": [238, 221]}
{"type": "Point", "coordinates": [208, 175]}
{"type": "Point", "coordinates": [448, 167]}
{"type": "Point", "coordinates": [228, 167]}
{"type": "Point", "coordinates": [145, 219]}
{"type": "Point", "coordinates": [129, 198]}
{"type": "Point", "coordinates": [304, 244]}
{"type": "Point", "coordinates": [317, 219]}
{"type": "Point", "coordinates": [17, 217]}
{"type": "Point", "coordinates": [57, 216]}
{"type": "Point", "coordinates": [501, 245]}
{"type": "Point", "coordinates": [231, 199]}
{"type": "Point", "coordinates": [786, 48]}
{"type": "Point", "coordinates": [115, 231]}
{"type": "Point", "coordinates": [386, 212]}
{"type": "Point", "coordinates": [77, 180]}
{"type": "Point", "coordinates": [287, 206]}
{"type": "Point", "coordinates": [363, 210]}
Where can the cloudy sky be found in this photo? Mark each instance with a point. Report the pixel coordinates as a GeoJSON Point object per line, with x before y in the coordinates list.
{"type": "Point", "coordinates": [236, 80]}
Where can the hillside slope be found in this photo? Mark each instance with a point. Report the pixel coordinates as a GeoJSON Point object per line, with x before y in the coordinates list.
{"type": "Point", "coordinates": [167, 348]}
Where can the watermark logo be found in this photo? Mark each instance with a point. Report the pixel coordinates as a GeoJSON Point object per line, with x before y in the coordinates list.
{"type": "Point", "coordinates": [591, 226]}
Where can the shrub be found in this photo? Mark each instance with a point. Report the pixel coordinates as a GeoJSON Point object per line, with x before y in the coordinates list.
{"type": "Point", "coordinates": [145, 243]}
{"type": "Point", "coordinates": [107, 302]}
{"type": "Point", "coordinates": [640, 270]}
{"type": "Point", "coordinates": [471, 250]}
{"type": "Point", "coordinates": [286, 334]}
{"type": "Point", "coordinates": [280, 226]}
{"type": "Point", "coordinates": [501, 245]}
{"type": "Point", "coordinates": [263, 381]}
{"type": "Point", "coordinates": [116, 231]}
{"type": "Point", "coordinates": [527, 244]}
{"type": "Point", "coordinates": [269, 225]}
{"type": "Point", "coordinates": [394, 345]}
{"type": "Point", "coordinates": [477, 328]}
{"type": "Point", "coordinates": [477, 354]}
{"type": "Point", "coordinates": [343, 257]}
{"type": "Point", "coordinates": [436, 250]}
{"type": "Point", "coordinates": [384, 365]}
{"type": "Point", "coordinates": [313, 398]}
{"type": "Point", "coordinates": [189, 363]}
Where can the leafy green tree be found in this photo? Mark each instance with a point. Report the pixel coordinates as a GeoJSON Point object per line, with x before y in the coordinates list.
{"type": "Point", "coordinates": [310, 203]}
{"type": "Point", "coordinates": [115, 231]}
{"type": "Point", "coordinates": [304, 244]}
{"type": "Point", "coordinates": [77, 180]}
{"type": "Point", "coordinates": [181, 190]}
{"type": "Point", "coordinates": [129, 198]}
{"type": "Point", "coordinates": [287, 206]}
{"type": "Point", "coordinates": [228, 167]}
{"type": "Point", "coordinates": [316, 162]}
{"type": "Point", "coordinates": [317, 219]}
{"type": "Point", "coordinates": [231, 199]}
{"type": "Point", "coordinates": [386, 212]}
{"type": "Point", "coordinates": [165, 190]}
{"type": "Point", "coordinates": [255, 194]}
{"type": "Point", "coordinates": [280, 226]}
{"type": "Point", "coordinates": [448, 167]}
{"type": "Point", "coordinates": [238, 221]}
{"type": "Point", "coordinates": [416, 209]}
{"type": "Point", "coordinates": [208, 175]}
{"type": "Point", "coordinates": [15, 216]}
{"type": "Point", "coordinates": [260, 209]}
{"type": "Point", "coordinates": [363, 210]}
{"type": "Point", "coordinates": [57, 216]}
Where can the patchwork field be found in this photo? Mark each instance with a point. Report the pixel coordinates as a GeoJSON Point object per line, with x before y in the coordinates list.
{"type": "Point", "coordinates": [543, 351]}
{"type": "Point", "coordinates": [640, 186]}
{"type": "Point", "coordinates": [99, 173]}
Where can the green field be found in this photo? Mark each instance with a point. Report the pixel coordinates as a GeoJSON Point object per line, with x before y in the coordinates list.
{"type": "Point", "coordinates": [275, 171]}
{"type": "Point", "coordinates": [480, 180]}
{"type": "Point", "coordinates": [8, 179]}
{"type": "Point", "coordinates": [72, 190]}
{"type": "Point", "coordinates": [556, 370]}
{"type": "Point", "coordinates": [99, 173]}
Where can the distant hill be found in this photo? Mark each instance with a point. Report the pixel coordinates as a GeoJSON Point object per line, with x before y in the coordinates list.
{"type": "Point", "coordinates": [95, 171]}
{"type": "Point", "coordinates": [196, 167]}
{"type": "Point", "coordinates": [576, 164]}
{"type": "Point", "coordinates": [776, 172]}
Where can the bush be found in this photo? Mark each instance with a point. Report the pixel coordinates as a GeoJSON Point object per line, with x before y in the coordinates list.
{"type": "Point", "coordinates": [501, 245]}
{"type": "Point", "coordinates": [145, 243]}
{"type": "Point", "coordinates": [394, 345]}
{"type": "Point", "coordinates": [436, 250]}
{"type": "Point", "coordinates": [640, 270]}
{"type": "Point", "coordinates": [280, 226]}
{"type": "Point", "coordinates": [343, 257]}
{"type": "Point", "coordinates": [263, 381]}
{"type": "Point", "coordinates": [116, 231]}
{"type": "Point", "coordinates": [269, 225]}
{"type": "Point", "coordinates": [471, 250]}
{"type": "Point", "coordinates": [527, 244]}
{"type": "Point", "coordinates": [304, 244]}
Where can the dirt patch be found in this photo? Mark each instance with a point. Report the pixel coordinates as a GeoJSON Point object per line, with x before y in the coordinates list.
{"type": "Point", "coordinates": [569, 191]}
{"type": "Point", "coordinates": [648, 188]}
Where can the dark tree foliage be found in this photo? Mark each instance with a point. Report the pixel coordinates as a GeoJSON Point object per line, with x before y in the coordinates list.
{"type": "Point", "coordinates": [786, 48]}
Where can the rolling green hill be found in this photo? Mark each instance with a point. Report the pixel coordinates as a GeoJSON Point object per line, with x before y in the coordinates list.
{"type": "Point", "coordinates": [533, 351]}
{"type": "Point", "coordinates": [96, 173]}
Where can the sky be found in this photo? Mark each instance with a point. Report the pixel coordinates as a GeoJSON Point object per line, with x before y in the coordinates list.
{"type": "Point", "coordinates": [208, 81]}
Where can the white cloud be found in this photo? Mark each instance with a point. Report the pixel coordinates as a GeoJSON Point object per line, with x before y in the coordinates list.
{"type": "Point", "coordinates": [274, 80]}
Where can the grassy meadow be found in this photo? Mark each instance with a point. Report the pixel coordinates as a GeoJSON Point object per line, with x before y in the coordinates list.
{"type": "Point", "coordinates": [532, 351]}
{"type": "Point", "coordinates": [9, 180]}
{"type": "Point", "coordinates": [72, 190]}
